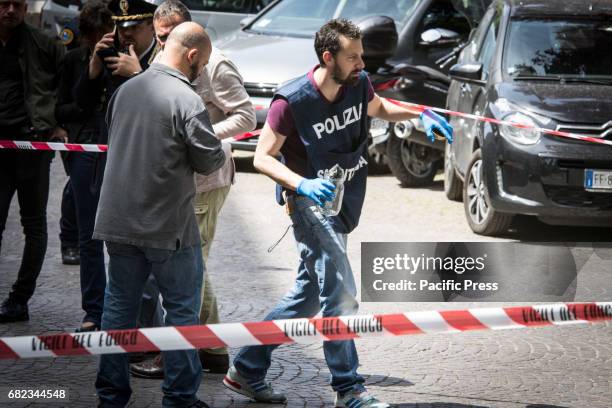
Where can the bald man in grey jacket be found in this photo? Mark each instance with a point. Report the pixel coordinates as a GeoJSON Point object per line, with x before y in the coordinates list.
{"type": "Point", "coordinates": [159, 136]}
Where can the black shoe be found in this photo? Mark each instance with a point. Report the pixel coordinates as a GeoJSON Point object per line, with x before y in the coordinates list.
{"type": "Point", "coordinates": [152, 368]}
{"type": "Point", "coordinates": [140, 356]}
{"type": "Point", "coordinates": [89, 328]}
{"type": "Point", "coordinates": [214, 363]}
{"type": "Point", "coordinates": [198, 404]}
{"type": "Point", "coordinates": [70, 256]}
{"type": "Point", "coordinates": [12, 311]}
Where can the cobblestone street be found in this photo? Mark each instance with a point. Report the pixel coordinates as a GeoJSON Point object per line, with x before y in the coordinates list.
{"type": "Point", "coordinates": [546, 367]}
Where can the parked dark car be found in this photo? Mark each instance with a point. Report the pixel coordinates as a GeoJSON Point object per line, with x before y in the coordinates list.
{"type": "Point", "coordinates": [277, 46]}
{"type": "Point", "coordinates": [537, 63]}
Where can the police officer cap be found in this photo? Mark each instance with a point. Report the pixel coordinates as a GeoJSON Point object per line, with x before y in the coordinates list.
{"type": "Point", "coordinates": [127, 13]}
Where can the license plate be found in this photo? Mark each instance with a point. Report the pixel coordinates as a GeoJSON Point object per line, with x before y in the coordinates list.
{"type": "Point", "coordinates": [598, 180]}
{"type": "Point", "coordinates": [378, 127]}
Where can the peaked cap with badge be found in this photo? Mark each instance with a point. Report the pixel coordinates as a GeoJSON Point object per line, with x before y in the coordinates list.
{"type": "Point", "coordinates": [127, 13]}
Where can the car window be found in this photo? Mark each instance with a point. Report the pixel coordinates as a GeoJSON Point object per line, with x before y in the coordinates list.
{"type": "Point", "coordinates": [559, 47]}
{"type": "Point", "coordinates": [481, 32]}
{"type": "Point", "coordinates": [303, 18]}
{"type": "Point", "coordinates": [227, 6]}
{"type": "Point", "coordinates": [396, 9]}
{"type": "Point", "coordinates": [442, 14]}
{"type": "Point", "coordinates": [296, 17]}
{"type": "Point", "coordinates": [488, 50]}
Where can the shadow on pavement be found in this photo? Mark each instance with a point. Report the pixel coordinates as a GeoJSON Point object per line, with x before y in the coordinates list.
{"type": "Point", "coordinates": [525, 228]}
{"type": "Point", "coordinates": [544, 406]}
{"type": "Point", "coordinates": [436, 186]}
{"type": "Point", "coordinates": [437, 405]}
{"type": "Point", "coordinates": [457, 405]}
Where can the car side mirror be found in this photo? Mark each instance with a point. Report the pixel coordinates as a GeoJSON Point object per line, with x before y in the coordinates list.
{"type": "Point", "coordinates": [470, 73]}
{"type": "Point", "coordinates": [439, 36]}
{"type": "Point", "coordinates": [245, 21]}
{"type": "Point", "coordinates": [379, 39]}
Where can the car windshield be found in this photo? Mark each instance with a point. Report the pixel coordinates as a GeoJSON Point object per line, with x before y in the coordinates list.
{"type": "Point", "coordinates": [549, 49]}
{"type": "Point", "coordinates": [302, 18]}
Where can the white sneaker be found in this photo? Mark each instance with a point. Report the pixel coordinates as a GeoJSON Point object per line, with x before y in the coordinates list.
{"type": "Point", "coordinates": [356, 399]}
{"type": "Point", "coordinates": [260, 391]}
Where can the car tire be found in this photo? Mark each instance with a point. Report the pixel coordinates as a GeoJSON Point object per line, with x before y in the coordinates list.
{"type": "Point", "coordinates": [453, 186]}
{"type": "Point", "coordinates": [481, 218]}
{"type": "Point", "coordinates": [403, 160]}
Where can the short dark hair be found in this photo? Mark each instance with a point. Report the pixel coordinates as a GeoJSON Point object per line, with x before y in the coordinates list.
{"type": "Point", "coordinates": [328, 36]}
{"type": "Point", "coordinates": [171, 8]}
{"type": "Point", "coordinates": [95, 18]}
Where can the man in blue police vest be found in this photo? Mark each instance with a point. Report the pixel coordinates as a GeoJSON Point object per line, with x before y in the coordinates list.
{"type": "Point", "coordinates": [316, 122]}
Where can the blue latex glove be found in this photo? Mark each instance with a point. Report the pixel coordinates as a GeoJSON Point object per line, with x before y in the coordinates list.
{"type": "Point", "coordinates": [318, 190]}
{"type": "Point", "coordinates": [434, 122]}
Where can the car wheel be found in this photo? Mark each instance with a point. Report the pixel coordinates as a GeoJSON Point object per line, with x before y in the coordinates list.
{"type": "Point", "coordinates": [414, 165]}
{"type": "Point", "coordinates": [481, 217]}
{"type": "Point", "coordinates": [453, 186]}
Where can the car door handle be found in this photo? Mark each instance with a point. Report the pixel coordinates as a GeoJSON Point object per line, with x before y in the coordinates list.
{"type": "Point", "coordinates": [465, 88]}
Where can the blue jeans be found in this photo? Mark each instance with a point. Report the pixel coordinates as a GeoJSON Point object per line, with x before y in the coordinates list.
{"type": "Point", "coordinates": [151, 313]}
{"type": "Point", "coordinates": [324, 282]}
{"type": "Point", "coordinates": [179, 278]}
{"type": "Point", "coordinates": [91, 251]}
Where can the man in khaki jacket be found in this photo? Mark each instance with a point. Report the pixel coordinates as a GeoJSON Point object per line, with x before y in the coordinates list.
{"type": "Point", "coordinates": [231, 113]}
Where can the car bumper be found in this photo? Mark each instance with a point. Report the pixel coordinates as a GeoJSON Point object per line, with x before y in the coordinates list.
{"type": "Point", "coordinates": [546, 179]}
{"type": "Point", "coordinates": [248, 145]}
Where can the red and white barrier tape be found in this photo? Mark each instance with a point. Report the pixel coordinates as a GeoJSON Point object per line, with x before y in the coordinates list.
{"type": "Point", "coordinates": [417, 109]}
{"type": "Point", "coordinates": [96, 148]}
{"type": "Point", "coordinates": [70, 147]}
{"type": "Point", "coordinates": [301, 330]}
{"type": "Point", "coordinates": [412, 107]}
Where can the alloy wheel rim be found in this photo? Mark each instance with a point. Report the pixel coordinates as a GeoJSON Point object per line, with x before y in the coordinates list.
{"type": "Point", "coordinates": [477, 202]}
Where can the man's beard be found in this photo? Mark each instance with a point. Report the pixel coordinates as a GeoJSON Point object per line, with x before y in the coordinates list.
{"type": "Point", "coordinates": [348, 80]}
{"type": "Point", "coordinates": [194, 72]}
{"type": "Point", "coordinates": [10, 23]}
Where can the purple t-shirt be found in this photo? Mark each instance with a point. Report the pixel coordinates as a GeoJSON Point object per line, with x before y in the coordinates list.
{"type": "Point", "coordinates": [280, 119]}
